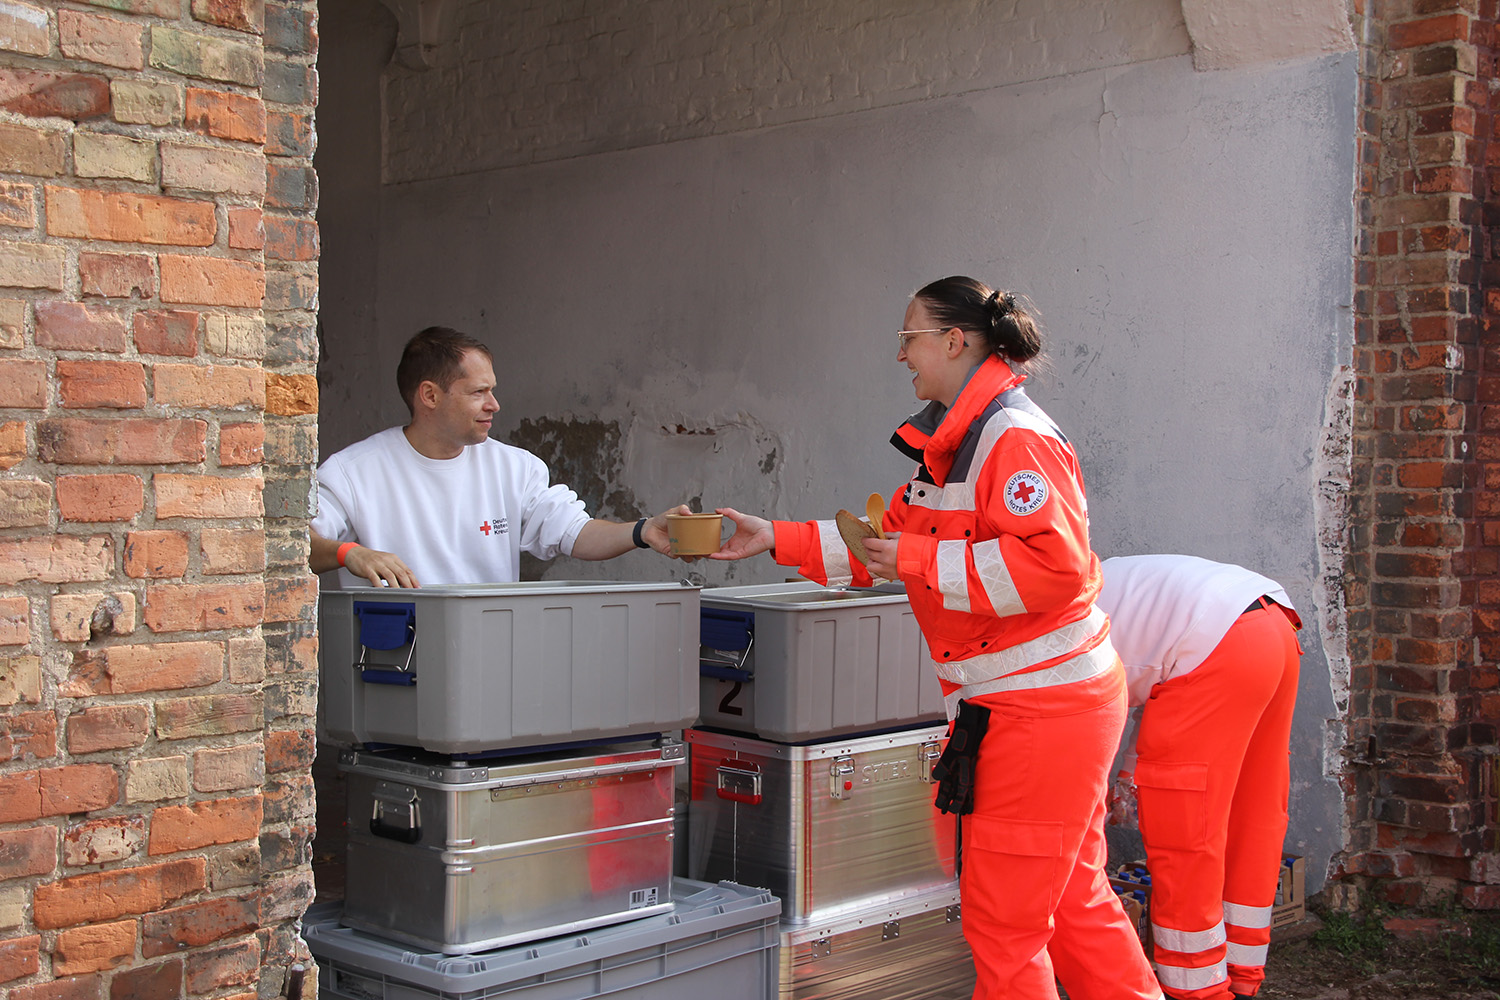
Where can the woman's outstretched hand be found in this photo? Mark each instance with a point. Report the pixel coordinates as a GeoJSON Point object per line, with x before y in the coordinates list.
{"type": "Point", "coordinates": [752, 535]}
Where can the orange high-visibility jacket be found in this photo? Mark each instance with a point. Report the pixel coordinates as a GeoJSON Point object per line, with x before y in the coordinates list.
{"type": "Point", "coordinates": [994, 545]}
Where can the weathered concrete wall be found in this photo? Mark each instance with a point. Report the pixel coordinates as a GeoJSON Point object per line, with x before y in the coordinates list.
{"type": "Point", "coordinates": [539, 80]}
{"type": "Point", "coordinates": [723, 307]}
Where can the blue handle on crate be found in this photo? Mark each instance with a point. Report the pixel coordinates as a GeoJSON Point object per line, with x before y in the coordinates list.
{"type": "Point", "coordinates": [385, 626]}
{"type": "Point", "coordinates": [401, 678]}
{"type": "Point", "coordinates": [719, 628]}
{"type": "Point", "coordinates": [723, 673]}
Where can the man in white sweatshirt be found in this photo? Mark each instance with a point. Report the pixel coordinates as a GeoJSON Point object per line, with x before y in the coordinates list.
{"type": "Point", "coordinates": [439, 501]}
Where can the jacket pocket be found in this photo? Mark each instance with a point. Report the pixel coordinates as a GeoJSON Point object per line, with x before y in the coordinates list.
{"type": "Point", "coordinates": [1172, 798]}
{"type": "Point", "coordinates": [1013, 873]}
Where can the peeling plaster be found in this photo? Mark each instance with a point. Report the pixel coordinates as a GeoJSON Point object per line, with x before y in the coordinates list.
{"type": "Point", "coordinates": [584, 453]}
{"type": "Point", "coordinates": [1331, 518]}
{"type": "Point", "coordinates": [631, 465]}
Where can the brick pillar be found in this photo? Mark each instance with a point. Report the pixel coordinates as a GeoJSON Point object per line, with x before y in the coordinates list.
{"type": "Point", "coordinates": [291, 251]}
{"type": "Point", "coordinates": [156, 646]}
{"type": "Point", "coordinates": [1423, 547]}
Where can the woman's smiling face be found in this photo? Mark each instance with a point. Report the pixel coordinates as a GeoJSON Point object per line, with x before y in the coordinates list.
{"type": "Point", "coordinates": [934, 373]}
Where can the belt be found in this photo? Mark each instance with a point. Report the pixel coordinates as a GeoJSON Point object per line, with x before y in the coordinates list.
{"type": "Point", "coordinates": [1260, 602]}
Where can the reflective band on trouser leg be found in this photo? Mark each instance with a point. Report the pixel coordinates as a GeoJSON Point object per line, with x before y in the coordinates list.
{"type": "Point", "coordinates": [1246, 954]}
{"type": "Point", "coordinates": [1190, 964]}
{"type": "Point", "coordinates": [1249, 930]}
{"type": "Point", "coordinates": [1188, 941]}
{"type": "Point", "coordinates": [1182, 978]}
{"type": "Point", "coordinates": [1249, 917]}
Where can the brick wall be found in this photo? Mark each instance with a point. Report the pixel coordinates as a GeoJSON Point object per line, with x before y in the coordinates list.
{"type": "Point", "coordinates": [1422, 600]}
{"type": "Point", "coordinates": [157, 654]}
{"type": "Point", "coordinates": [537, 80]}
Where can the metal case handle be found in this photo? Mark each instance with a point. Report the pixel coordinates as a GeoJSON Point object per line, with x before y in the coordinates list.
{"type": "Point", "coordinates": [739, 781]}
{"type": "Point", "coordinates": [400, 798]}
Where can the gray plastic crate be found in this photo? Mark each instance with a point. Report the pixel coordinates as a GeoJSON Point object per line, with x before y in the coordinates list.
{"type": "Point", "coordinates": [795, 662]}
{"type": "Point", "coordinates": [462, 669]}
{"type": "Point", "coordinates": [719, 940]}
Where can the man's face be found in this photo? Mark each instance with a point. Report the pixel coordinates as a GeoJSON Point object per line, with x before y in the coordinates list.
{"type": "Point", "coordinates": [463, 412]}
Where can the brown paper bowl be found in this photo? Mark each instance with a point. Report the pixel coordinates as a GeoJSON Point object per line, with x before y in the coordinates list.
{"type": "Point", "coordinates": [694, 534]}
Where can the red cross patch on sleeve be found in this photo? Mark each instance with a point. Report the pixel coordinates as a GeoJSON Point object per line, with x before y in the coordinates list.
{"type": "Point", "coordinates": [1025, 492]}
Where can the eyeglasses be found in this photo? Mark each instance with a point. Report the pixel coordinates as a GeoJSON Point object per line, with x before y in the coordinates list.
{"type": "Point", "coordinates": [904, 337]}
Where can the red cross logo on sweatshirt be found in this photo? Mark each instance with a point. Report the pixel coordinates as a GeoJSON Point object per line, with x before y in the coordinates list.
{"type": "Point", "coordinates": [485, 527]}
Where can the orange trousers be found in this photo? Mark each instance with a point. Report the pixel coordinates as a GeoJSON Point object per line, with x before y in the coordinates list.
{"type": "Point", "coordinates": [1212, 781]}
{"type": "Point", "coordinates": [1036, 903]}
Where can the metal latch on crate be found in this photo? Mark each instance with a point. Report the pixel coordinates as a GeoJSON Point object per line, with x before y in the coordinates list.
{"type": "Point", "coordinates": [927, 758]}
{"type": "Point", "coordinates": [401, 800]}
{"type": "Point", "coordinates": [384, 626]}
{"type": "Point", "coordinates": [841, 778]}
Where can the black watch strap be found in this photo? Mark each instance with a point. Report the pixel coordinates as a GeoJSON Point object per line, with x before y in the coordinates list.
{"type": "Point", "coordinates": [635, 535]}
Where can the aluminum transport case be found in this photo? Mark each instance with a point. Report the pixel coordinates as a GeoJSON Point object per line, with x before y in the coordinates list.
{"type": "Point", "coordinates": [717, 941]}
{"type": "Point", "coordinates": [459, 669]}
{"type": "Point", "coordinates": [794, 662]}
{"type": "Point", "coordinates": [914, 950]}
{"type": "Point", "coordinates": [827, 827]}
{"type": "Point", "coordinates": [465, 856]}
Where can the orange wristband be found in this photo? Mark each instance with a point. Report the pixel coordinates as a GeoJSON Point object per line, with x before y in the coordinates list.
{"type": "Point", "coordinates": [344, 550]}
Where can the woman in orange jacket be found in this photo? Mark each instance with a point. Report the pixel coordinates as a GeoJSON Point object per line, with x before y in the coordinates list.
{"type": "Point", "coordinates": [990, 537]}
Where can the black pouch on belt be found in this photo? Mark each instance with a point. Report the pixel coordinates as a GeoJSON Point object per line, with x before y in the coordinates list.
{"type": "Point", "coordinates": [954, 771]}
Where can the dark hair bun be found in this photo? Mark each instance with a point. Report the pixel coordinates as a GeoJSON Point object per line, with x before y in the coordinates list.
{"type": "Point", "coordinates": [972, 306]}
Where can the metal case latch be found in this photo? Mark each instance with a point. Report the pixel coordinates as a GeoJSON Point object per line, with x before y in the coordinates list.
{"type": "Point", "coordinates": [890, 930]}
{"type": "Point", "coordinates": [841, 778]}
{"type": "Point", "coordinates": [927, 758]}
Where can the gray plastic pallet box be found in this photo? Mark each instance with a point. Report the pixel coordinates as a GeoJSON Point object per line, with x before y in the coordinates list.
{"type": "Point", "coordinates": [794, 662]}
{"type": "Point", "coordinates": [461, 669]}
{"type": "Point", "coordinates": [718, 941]}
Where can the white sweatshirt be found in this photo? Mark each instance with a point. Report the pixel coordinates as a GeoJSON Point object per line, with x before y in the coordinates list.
{"type": "Point", "coordinates": [457, 520]}
{"type": "Point", "coordinates": [1167, 613]}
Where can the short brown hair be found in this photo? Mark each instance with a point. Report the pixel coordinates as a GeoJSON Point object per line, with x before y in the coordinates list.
{"type": "Point", "coordinates": [436, 355]}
